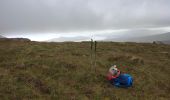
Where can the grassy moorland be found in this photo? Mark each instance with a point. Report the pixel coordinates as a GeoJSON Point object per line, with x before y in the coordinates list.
{"type": "Point", "coordinates": [62, 71]}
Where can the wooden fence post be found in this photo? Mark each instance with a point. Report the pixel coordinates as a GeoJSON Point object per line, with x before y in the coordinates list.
{"type": "Point", "coordinates": [95, 50]}
{"type": "Point", "coordinates": [91, 53]}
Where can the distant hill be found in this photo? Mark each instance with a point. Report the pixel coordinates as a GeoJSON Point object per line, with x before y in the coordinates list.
{"type": "Point", "coordinates": [159, 37]}
{"type": "Point", "coordinates": [14, 39]}
{"type": "Point", "coordinates": [166, 42]}
{"type": "Point", "coordinates": [2, 36]}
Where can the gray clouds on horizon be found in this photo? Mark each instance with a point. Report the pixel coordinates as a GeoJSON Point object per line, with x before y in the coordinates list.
{"type": "Point", "coordinates": [81, 15]}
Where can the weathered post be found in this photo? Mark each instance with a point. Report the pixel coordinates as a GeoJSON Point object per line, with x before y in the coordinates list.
{"type": "Point", "coordinates": [95, 50]}
{"type": "Point", "coordinates": [91, 53]}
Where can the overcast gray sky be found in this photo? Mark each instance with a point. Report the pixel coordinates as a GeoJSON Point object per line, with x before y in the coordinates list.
{"type": "Point", "coordinates": [46, 19]}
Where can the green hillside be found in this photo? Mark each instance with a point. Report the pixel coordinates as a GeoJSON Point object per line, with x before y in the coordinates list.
{"type": "Point", "coordinates": [62, 71]}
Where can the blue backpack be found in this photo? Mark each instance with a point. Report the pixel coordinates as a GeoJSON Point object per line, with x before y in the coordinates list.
{"type": "Point", "coordinates": [124, 80]}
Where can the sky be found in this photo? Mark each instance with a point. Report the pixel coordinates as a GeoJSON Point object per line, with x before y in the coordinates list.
{"type": "Point", "coordinates": [42, 20]}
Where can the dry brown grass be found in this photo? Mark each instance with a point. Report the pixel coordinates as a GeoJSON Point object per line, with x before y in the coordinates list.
{"type": "Point", "coordinates": [32, 70]}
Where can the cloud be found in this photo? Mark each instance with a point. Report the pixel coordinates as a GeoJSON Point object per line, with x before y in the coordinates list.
{"type": "Point", "coordinates": [73, 15]}
{"type": "Point", "coordinates": [69, 16]}
{"type": "Point", "coordinates": [75, 38]}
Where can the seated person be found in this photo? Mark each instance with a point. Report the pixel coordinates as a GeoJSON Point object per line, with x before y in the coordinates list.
{"type": "Point", "coordinates": [113, 72]}
{"type": "Point", "coordinates": [117, 79]}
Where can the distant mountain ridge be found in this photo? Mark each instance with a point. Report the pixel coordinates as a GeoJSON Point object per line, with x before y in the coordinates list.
{"type": "Point", "coordinates": [159, 37]}
{"type": "Point", "coordinates": [166, 42]}
{"type": "Point", "coordinates": [2, 36]}
{"type": "Point", "coordinates": [14, 39]}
